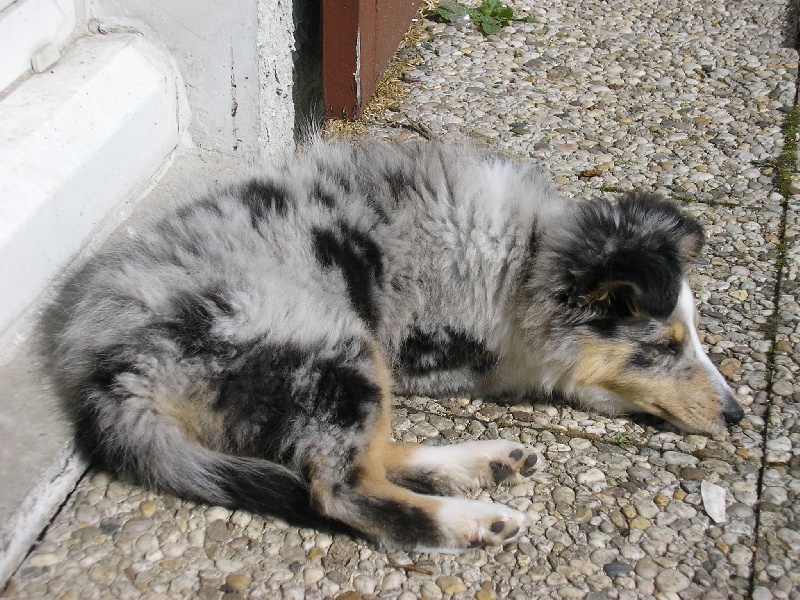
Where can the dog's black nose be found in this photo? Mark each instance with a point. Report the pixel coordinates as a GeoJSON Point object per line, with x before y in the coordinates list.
{"type": "Point", "coordinates": [733, 416]}
{"type": "Point", "coordinates": [732, 410]}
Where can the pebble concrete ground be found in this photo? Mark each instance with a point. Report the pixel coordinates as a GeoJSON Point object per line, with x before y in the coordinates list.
{"type": "Point", "coordinates": [692, 98]}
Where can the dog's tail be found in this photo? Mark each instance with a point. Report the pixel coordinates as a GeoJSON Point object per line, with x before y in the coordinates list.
{"type": "Point", "coordinates": [156, 451]}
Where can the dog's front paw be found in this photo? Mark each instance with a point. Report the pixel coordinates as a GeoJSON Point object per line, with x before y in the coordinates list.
{"type": "Point", "coordinates": [474, 523]}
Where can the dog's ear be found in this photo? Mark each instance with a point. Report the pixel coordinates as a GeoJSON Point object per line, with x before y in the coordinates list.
{"type": "Point", "coordinates": [627, 259]}
{"type": "Point", "coordinates": [619, 297]}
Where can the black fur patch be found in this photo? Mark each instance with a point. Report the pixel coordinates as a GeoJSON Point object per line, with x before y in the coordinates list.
{"type": "Point", "coordinates": [421, 482]}
{"type": "Point", "coordinates": [275, 389]}
{"type": "Point", "coordinates": [322, 196]}
{"type": "Point", "coordinates": [360, 261]}
{"type": "Point", "coordinates": [194, 320]}
{"type": "Point", "coordinates": [443, 350]}
{"type": "Point", "coordinates": [642, 243]}
{"type": "Point", "coordinates": [267, 489]}
{"type": "Point", "coordinates": [407, 525]}
{"type": "Point", "coordinates": [649, 356]}
{"type": "Point", "coordinates": [107, 365]}
{"type": "Point", "coordinates": [262, 197]}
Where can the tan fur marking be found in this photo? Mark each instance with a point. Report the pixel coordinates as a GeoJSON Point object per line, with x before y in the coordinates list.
{"type": "Point", "coordinates": [676, 331]}
{"type": "Point", "coordinates": [372, 462]}
{"type": "Point", "coordinates": [691, 402]}
{"type": "Point", "coordinates": [195, 417]}
{"type": "Point", "coordinates": [601, 361]}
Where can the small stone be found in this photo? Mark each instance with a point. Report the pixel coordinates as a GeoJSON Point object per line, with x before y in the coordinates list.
{"type": "Point", "coordinates": [583, 514]}
{"type": "Point", "coordinates": [646, 508]}
{"type": "Point", "coordinates": [170, 563]}
{"type": "Point", "coordinates": [293, 554]}
{"type": "Point", "coordinates": [349, 595]}
{"type": "Point", "coordinates": [639, 473]}
{"type": "Point", "coordinates": [148, 508]}
{"type": "Point", "coordinates": [520, 129]}
{"type": "Point", "coordinates": [424, 429]}
{"type": "Point", "coordinates": [146, 542]}
{"type": "Point", "coordinates": [775, 495]}
{"type": "Point", "coordinates": [450, 585]}
{"type": "Point", "coordinates": [102, 573]}
{"type": "Point", "coordinates": [660, 500]}
{"type": "Point", "coordinates": [313, 575]}
{"type": "Point", "coordinates": [364, 584]}
{"type": "Point", "coordinates": [740, 295]}
{"type": "Point", "coordinates": [616, 568]}
{"type": "Point", "coordinates": [392, 581]}
{"type": "Point", "coordinates": [430, 591]}
{"type": "Point", "coordinates": [639, 523]}
{"type": "Point", "coordinates": [789, 537]}
{"type": "Point", "coordinates": [562, 494]}
{"type": "Point", "coordinates": [215, 513]}
{"type": "Point", "coordinates": [237, 582]}
{"type": "Point", "coordinates": [714, 501]}
{"type": "Point", "coordinates": [646, 568]}
{"type": "Point", "coordinates": [692, 473]}
{"type": "Point", "coordinates": [730, 366]}
{"type": "Point", "coordinates": [42, 560]}
{"type": "Point", "coordinates": [737, 510]}
{"type": "Point", "coordinates": [580, 444]}
{"type": "Point", "coordinates": [591, 476]}
{"type": "Point", "coordinates": [781, 444]}
{"type": "Point", "coordinates": [491, 412]}
{"type": "Point", "coordinates": [154, 555]}
{"type": "Point", "coordinates": [486, 593]}
{"type": "Point", "coordinates": [679, 495]}
{"type": "Point", "coordinates": [138, 525]}
{"type": "Point", "coordinates": [783, 388]}
{"type": "Point", "coordinates": [217, 531]}
{"type": "Point", "coordinates": [680, 459]}
{"type": "Point", "coordinates": [671, 580]}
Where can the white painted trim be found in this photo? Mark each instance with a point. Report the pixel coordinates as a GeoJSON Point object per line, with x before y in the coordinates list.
{"type": "Point", "coordinates": [75, 143]}
{"type": "Point", "coordinates": [27, 27]}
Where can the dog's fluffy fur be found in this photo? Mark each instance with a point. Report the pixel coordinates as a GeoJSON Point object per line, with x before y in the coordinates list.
{"type": "Point", "coordinates": [242, 350]}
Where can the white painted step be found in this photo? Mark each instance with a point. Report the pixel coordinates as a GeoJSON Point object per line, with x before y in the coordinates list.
{"type": "Point", "coordinates": [75, 142]}
{"type": "Point", "coordinates": [86, 136]}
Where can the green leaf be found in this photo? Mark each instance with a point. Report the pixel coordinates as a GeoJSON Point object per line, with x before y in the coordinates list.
{"type": "Point", "coordinates": [503, 13]}
{"type": "Point", "coordinates": [446, 14]}
{"type": "Point", "coordinates": [489, 6]}
{"type": "Point", "coordinates": [490, 25]}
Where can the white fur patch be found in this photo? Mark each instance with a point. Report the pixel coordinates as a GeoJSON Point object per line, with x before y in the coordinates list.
{"type": "Point", "coordinates": [686, 312]}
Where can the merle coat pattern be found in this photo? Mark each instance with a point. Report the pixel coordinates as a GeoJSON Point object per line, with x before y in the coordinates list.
{"type": "Point", "coordinates": [242, 349]}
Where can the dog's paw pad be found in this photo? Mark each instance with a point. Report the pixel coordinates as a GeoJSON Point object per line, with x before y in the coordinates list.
{"type": "Point", "coordinates": [506, 527]}
{"type": "Point", "coordinates": [500, 471]}
{"type": "Point", "coordinates": [504, 530]}
{"type": "Point", "coordinates": [522, 460]}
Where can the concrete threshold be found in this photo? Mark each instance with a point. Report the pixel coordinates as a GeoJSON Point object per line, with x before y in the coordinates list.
{"type": "Point", "coordinates": [38, 464]}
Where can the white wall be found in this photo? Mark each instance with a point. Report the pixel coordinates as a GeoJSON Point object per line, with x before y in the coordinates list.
{"type": "Point", "coordinates": [235, 57]}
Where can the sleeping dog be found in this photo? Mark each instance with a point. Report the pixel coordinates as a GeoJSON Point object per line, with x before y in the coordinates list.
{"type": "Point", "coordinates": [243, 349]}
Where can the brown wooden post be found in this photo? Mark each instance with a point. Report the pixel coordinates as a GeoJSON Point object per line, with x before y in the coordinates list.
{"type": "Point", "coordinates": [359, 38]}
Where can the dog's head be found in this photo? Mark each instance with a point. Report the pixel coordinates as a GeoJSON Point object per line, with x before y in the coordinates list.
{"type": "Point", "coordinates": [630, 314]}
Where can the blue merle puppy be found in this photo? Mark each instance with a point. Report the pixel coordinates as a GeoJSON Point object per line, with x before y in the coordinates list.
{"type": "Point", "coordinates": [243, 349]}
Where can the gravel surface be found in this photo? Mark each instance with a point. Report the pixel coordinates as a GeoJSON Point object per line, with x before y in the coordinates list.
{"type": "Point", "coordinates": [686, 97]}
